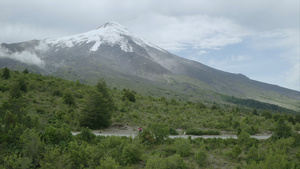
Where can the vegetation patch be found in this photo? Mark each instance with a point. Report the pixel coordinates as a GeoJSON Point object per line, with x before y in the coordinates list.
{"type": "Point", "coordinates": [39, 113]}
{"type": "Point", "coordinates": [193, 131]}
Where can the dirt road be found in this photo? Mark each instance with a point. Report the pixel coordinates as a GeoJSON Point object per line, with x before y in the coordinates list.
{"type": "Point", "coordinates": [130, 131]}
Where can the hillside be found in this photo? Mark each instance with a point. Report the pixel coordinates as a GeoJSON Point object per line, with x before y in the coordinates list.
{"type": "Point", "coordinates": [120, 57]}
{"type": "Point", "coordinates": [38, 113]}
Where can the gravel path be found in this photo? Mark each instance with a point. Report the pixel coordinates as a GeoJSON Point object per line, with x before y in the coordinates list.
{"type": "Point", "coordinates": [129, 131]}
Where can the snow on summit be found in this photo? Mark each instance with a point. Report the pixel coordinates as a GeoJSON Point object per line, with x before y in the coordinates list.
{"type": "Point", "coordinates": [111, 33]}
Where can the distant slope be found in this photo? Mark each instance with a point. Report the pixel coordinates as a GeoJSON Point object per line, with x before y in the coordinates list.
{"type": "Point", "coordinates": [125, 60]}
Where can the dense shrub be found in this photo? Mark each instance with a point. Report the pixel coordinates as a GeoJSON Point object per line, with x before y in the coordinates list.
{"type": "Point", "coordinates": [173, 132]}
{"type": "Point", "coordinates": [200, 157]}
{"type": "Point", "coordinates": [182, 147]}
{"type": "Point", "coordinates": [160, 131]}
{"type": "Point", "coordinates": [86, 135]}
{"type": "Point", "coordinates": [171, 162]}
{"type": "Point", "coordinates": [193, 131]}
{"type": "Point", "coordinates": [6, 73]}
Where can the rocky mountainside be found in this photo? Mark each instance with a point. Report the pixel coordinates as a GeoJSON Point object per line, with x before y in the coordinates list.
{"type": "Point", "coordinates": [114, 53]}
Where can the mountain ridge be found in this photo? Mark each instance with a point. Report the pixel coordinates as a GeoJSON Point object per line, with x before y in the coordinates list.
{"type": "Point", "coordinates": [111, 51]}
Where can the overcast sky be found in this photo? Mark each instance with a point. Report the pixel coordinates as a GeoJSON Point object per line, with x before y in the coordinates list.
{"type": "Point", "coordinates": [258, 38]}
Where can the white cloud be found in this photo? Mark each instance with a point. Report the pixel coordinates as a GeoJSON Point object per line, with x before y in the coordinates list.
{"type": "Point", "coordinates": [201, 52]}
{"type": "Point", "coordinates": [197, 31]}
{"type": "Point", "coordinates": [24, 56]}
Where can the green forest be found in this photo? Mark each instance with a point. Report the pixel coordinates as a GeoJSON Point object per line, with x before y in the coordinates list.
{"type": "Point", "coordinates": [39, 113]}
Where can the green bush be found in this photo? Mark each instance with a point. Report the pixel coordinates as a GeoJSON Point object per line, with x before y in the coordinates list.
{"type": "Point", "coordinates": [200, 158]}
{"type": "Point", "coordinates": [69, 98]}
{"type": "Point", "coordinates": [4, 88]}
{"type": "Point", "coordinates": [60, 136]}
{"type": "Point", "coordinates": [182, 147]}
{"type": "Point", "coordinates": [235, 152]}
{"type": "Point", "coordinates": [155, 162]}
{"type": "Point", "coordinates": [160, 131]}
{"type": "Point", "coordinates": [56, 158]}
{"type": "Point", "coordinates": [109, 163]}
{"type": "Point", "coordinates": [129, 95]}
{"type": "Point", "coordinates": [175, 161]}
{"type": "Point", "coordinates": [6, 73]}
{"type": "Point", "coordinates": [86, 135]}
{"type": "Point", "coordinates": [193, 131]}
{"type": "Point", "coordinates": [146, 137]}
{"type": "Point", "coordinates": [131, 154]}
{"type": "Point", "coordinates": [173, 132]}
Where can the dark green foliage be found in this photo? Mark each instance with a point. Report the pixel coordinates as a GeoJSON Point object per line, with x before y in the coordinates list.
{"type": "Point", "coordinates": [282, 130]}
{"type": "Point", "coordinates": [15, 91]}
{"type": "Point", "coordinates": [160, 131]}
{"type": "Point", "coordinates": [155, 161]}
{"type": "Point", "coordinates": [173, 132]}
{"type": "Point", "coordinates": [215, 106]}
{"type": "Point", "coordinates": [15, 161]}
{"type": "Point", "coordinates": [291, 119]}
{"type": "Point", "coordinates": [6, 73]}
{"type": "Point", "coordinates": [193, 131]}
{"type": "Point", "coordinates": [35, 130]}
{"type": "Point", "coordinates": [175, 161]}
{"type": "Point", "coordinates": [109, 163]}
{"type": "Point", "coordinates": [22, 83]}
{"type": "Point", "coordinates": [182, 147]}
{"type": "Point", "coordinates": [146, 137]}
{"type": "Point", "coordinates": [235, 152]}
{"type": "Point", "coordinates": [32, 146]}
{"type": "Point", "coordinates": [25, 71]}
{"type": "Point", "coordinates": [254, 112]}
{"type": "Point", "coordinates": [171, 162]}
{"type": "Point", "coordinates": [276, 116]}
{"type": "Point", "coordinates": [131, 154]}
{"type": "Point", "coordinates": [4, 88]}
{"type": "Point", "coordinates": [297, 118]}
{"type": "Point", "coordinates": [68, 98]}
{"type": "Point", "coordinates": [102, 88]}
{"type": "Point", "coordinates": [86, 135]}
{"type": "Point", "coordinates": [255, 154]}
{"type": "Point", "coordinates": [98, 108]}
{"type": "Point", "coordinates": [257, 104]}
{"type": "Point", "coordinates": [53, 135]}
{"type": "Point", "coordinates": [200, 157]}
{"type": "Point", "coordinates": [267, 114]}
{"type": "Point", "coordinates": [200, 105]}
{"type": "Point", "coordinates": [273, 161]}
{"type": "Point", "coordinates": [128, 95]}
{"type": "Point", "coordinates": [243, 137]}
{"type": "Point", "coordinates": [56, 158]}
{"type": "Point", "coordinates": [18, 88]}
{"type": "Point", "coordinates": [57, 92]}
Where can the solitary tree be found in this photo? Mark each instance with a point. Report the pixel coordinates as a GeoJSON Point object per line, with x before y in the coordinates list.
{"type": "Point", "coordinates": [6, 73]}
{"type": "Point", "coordinates": [98, 108]}
{"type": "Point", "coordinates": [129, 95]}
{"type": "Point", "coordinates": [25, 71]}
{"type": "Point", "coordinates": [282, 130]}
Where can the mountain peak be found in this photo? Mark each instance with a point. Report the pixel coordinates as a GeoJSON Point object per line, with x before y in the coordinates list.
{"type": "Point", "coordinates": [112, 27]}
{"type": "Point", "coordinates": [111, 33]}
{"type": "Point", "coordinates": [112, 24]}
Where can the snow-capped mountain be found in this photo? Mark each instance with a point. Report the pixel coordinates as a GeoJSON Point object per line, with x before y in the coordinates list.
{"type": "Point", "coordinates": [110, 33]}
{"type": "Point", "coordinates": [125, 60]}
